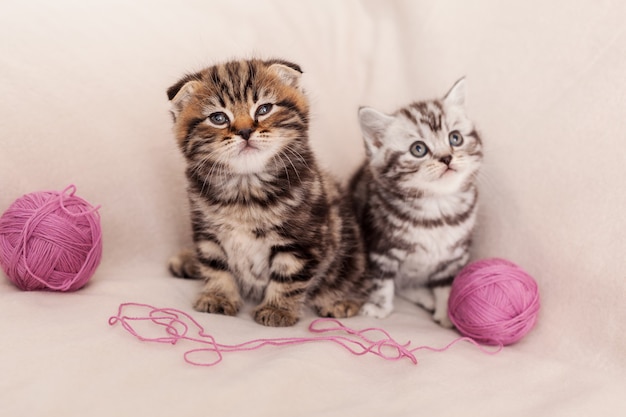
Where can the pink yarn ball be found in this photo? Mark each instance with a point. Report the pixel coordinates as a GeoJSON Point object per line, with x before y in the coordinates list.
{"type": "Point", "coordinates": [50, 240]}
{"type": "Point", "coordinates": [494, 301]}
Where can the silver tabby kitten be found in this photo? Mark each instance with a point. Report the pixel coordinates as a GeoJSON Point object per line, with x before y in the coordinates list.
{"type": "Point", "coordinates": [268, 224]}
{"type": "Point", "coordinates": [416, 200]}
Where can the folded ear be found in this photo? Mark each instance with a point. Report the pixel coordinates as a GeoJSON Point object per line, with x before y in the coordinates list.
{"type": "Point", "coordinates": [374, 124]}
{"type": "Point", "coordinates": [456, 95]}
{"type": "Point", "coordinates": [287, 72]}
{"type": "Point", "coordinates": [180, 93]}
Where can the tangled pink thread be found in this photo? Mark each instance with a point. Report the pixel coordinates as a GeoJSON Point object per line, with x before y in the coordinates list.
{"type": "Point", "coordinates": [179, 326]}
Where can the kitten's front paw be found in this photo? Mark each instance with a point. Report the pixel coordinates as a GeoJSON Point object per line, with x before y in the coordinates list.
{"type": "Point", "coordinates": [376, 311]}
{"type": "Point", "coordinates": [340, 309]}
{"type": "Point", "coordinates": [442, 319]}
{"type": "Point", "coordinates": [269, 315]}
{"type": "Point", "coordinates": [442, 294]}
{"type": "Point", "coordinates": [184, 265]}
{"type": "Point", "coordinates": [216, 303]}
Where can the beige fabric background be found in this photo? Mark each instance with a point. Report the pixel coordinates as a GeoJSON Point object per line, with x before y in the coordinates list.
{"type": "Point", "coordinates": [82, 87]}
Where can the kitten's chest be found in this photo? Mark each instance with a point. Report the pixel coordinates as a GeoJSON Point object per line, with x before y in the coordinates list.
{"type": "Point", "coordinates": [247, 236]}
{"type": "Point", "coordinates": [430, 247]}
{"type": "Point", "coordinates": [437, 242]}
{"type": "Point", "coordinates": [248, 254]}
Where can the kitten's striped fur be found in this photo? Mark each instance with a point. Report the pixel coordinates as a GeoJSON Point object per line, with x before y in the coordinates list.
{"type": "Point", "coordinates": [416, 200]}
{"type": "Point", "coordinates": [268, 224]}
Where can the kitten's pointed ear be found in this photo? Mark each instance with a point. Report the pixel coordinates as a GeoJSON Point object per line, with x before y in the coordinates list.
{"type": "Point", "coordinates": [180, 93]}
{"type": "Point", "coordinates": [290, 74]}
{"type": "Point", "coordinates": [456, 95]}
{"type": "Point", "coordinates": [373, 126]}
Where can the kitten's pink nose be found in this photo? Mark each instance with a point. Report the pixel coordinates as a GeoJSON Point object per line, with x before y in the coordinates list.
{"type": "Point", "coordinates": [245, 133]}
{"type": "Point", "coordinates": [446, 159]}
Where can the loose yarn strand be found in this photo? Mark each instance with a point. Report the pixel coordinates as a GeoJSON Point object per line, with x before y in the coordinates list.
{"type": "Point", "coordinates": [180, 326]}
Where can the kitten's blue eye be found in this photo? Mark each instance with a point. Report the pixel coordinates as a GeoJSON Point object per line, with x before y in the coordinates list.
{"type": "Point", "coordinates": [264, 109]}
{"type": "Point", "coordinates": [218, 118]}
{"type": "Point", "coordinates": [456, 139]}
{"type": "Point", "coordinates": [419, 149]}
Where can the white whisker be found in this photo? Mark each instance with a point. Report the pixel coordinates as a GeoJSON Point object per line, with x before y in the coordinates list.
{"type": "Point", "coordinates": [284, 165]}
{"type": "Point", "coordinates": [293, 166]}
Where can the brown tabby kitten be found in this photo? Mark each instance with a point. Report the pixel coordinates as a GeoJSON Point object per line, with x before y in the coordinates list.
{"type": "Point", "coordinates": [268, 224]}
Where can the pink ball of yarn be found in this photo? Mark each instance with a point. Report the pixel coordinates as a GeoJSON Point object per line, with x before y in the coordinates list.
{"type": "Point", "coordinates": [50, 240]}
{"type": "Point", "coordinates": [494, 301]}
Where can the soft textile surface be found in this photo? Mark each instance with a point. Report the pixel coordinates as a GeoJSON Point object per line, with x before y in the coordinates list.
{"type": "Point", "coordinates": [82, 87]}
